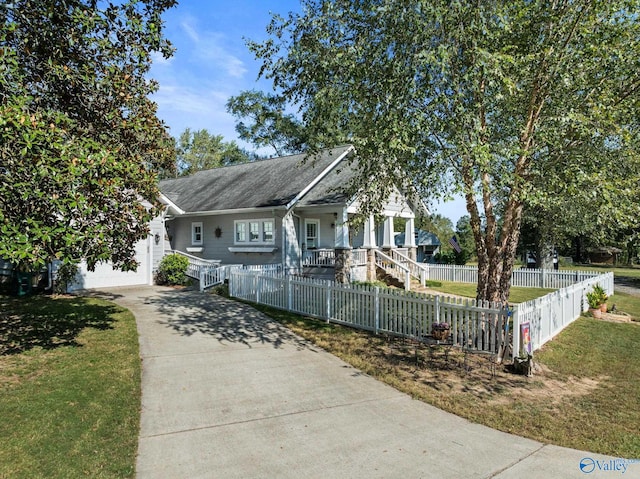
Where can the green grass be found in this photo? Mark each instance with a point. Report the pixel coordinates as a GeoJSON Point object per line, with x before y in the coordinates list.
{"type": "Point", "coordinates": [516, 295]}
{"type": "Point", "coordinates": [69, 388]}
{"type": "Point", "coordinates": [632, 273]}
{"type": "Point", "coordinates": [587, 395]}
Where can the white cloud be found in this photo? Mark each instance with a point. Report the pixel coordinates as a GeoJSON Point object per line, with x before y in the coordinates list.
{"type": "Point", "coordinates": [187, 25]}
{"type": "Point", "coordinates": [158, 59]}
{"type": "Point", "coordinates": [195, 108]}
{"type": "Point", "coordinates": [210, 48]}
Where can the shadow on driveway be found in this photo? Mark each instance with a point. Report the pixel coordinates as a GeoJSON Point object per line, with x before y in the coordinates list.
{"type": "Point", "coordinates": [189, 312]}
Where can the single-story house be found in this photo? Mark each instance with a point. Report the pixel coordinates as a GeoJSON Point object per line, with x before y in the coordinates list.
{"type": "Point", "coordinates": [282, 211]}
{"type": "Point", "coordinates": [427, 245]}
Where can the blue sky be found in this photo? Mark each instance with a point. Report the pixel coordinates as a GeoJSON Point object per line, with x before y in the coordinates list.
{"type": "Point", "coordinates": [212, 63]}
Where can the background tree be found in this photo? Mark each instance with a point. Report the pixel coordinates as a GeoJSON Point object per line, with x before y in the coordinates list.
{"type": "Point", "coordinates": [200, 150]}
{"type": "Point", "coordinates": [464, 236]}
{"type": "Point", "coordinates": [474, 97]}
{"type": "Point", "coordinates": [439, 225]}
{"type": "Point", "coordinates": [80, 142]}
{"type": "Point", "coordinates": [262, 121]}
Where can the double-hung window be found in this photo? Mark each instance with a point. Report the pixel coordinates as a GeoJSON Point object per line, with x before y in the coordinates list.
{"type": "Point", "coordinates": [254, 231]}
{"type": "Point", "coordinates": [196, 233]}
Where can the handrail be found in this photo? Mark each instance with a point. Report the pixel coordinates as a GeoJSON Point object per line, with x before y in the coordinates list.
{"type": "Point", "coordinates": [415, 268]}
{"type": "Point", "coordinates": [195, 260]}
{"type": "Point", "coordinates": [394, 267]}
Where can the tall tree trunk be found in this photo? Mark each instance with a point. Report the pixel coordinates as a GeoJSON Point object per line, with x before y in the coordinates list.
{"type": "Point", "coordinates": [544, 249]}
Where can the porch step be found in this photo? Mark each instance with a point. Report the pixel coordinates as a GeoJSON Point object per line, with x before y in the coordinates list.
{"type": "Point", "coordinates": [388, 279]}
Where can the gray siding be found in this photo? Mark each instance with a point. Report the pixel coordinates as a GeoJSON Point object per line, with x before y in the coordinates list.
{"type": "Point", "coordinates": [179, 230]}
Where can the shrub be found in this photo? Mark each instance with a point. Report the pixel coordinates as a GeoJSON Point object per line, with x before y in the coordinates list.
{"type": "Point", "coordinates": [64, 277]}
{"type": "Point", "coordinates": [172, 270]}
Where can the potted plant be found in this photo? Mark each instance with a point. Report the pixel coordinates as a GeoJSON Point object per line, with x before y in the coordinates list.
{"type": "Point", "coordinates": [602, 295]}
{"type": "Point", "coordinates": [440, 331]}
{"type": "Point", "coordinates": [593, 298]}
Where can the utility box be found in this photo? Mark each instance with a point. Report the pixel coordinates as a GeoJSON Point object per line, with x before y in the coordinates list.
{"type": "Point", "coordinates": [25, 283]}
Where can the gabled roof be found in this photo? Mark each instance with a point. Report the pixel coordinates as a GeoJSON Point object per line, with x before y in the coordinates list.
{"type": "Point", "coordinates": [423, 238]}
{"type": "Point", "coordinates": [278, 182]}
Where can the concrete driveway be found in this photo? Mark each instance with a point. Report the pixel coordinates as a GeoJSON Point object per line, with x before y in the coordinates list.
{"type": "Point", "coordinates": [228, 393]}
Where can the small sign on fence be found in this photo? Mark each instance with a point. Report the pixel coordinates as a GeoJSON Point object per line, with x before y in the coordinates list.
{"type": "Point", "coordinates": [525, 337]}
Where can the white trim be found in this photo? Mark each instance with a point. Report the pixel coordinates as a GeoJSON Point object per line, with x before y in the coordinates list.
{"type": "Point", "coordinates": [261, 222]}
{"type": "Point", "coordinates": [194, 241]}
{"type": "Point", "coordinates": [252, 249]}
{"type": "Point", "coordinates": [316, 222]}
{"type": "Point", "coordinates": [171, 204]}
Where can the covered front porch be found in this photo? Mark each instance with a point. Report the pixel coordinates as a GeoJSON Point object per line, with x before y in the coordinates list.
{"type": "Point", "coordinates": [339, 244]}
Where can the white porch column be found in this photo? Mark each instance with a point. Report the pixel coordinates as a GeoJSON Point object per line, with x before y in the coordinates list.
{"type": "Point", "coordinates": [290, 248]}
{"type": "Point", "coordinates": [409, 234]}
{"type": "Point", "coordinates": [369, 233]}
{"type": "Point", "coordinates": [410, 238]}
{"type": "Point", "coordinates": [342, 230]}
{"type": "Point", "coordinates": [389, 234]}
{"type": "Point", "coordinates": [370, 243]}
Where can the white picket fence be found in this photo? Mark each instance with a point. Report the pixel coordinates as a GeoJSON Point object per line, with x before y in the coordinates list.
{"type": "Point", "coordinates": [474, 325]}
{"type": "Point", "coordinates": [550, 314]}
{"type": "Point", "coordinates": [526, 278]}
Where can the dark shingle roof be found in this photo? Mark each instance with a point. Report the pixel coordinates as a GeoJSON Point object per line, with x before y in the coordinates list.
{"type": "Point", "coordinates": [261, 184]}
{"type": "Point", "coordinates": [424, 238]}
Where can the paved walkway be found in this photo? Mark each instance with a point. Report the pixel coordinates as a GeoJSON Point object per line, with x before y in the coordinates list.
{"type": "Point", "coordinates": [227, 393]}
{"type": "Point", "coordinates": [626, 285]}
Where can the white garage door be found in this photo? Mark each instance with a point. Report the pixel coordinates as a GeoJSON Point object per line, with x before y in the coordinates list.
{"type": "Point", "coordinates": [105, 276]}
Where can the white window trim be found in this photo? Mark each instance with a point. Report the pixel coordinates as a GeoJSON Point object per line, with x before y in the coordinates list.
{"type": "Point", "coordinates": [261, 222]}
{"type": "Point", "coordinates": [317, 223]}
{"type": "Point", "coordinates": [194, 225]}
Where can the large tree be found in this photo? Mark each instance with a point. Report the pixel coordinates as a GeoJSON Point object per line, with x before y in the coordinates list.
{"type": "Point", "coordinates": [80, 142]}
{"type": "Point", "coordinates": [262, 120]}
{"type": "Point", "coordinates": [200, 150]}
{"type": "Point", "coordinates": [479, 98]}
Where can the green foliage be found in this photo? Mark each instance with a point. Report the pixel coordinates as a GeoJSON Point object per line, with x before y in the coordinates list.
{"type": "Point", "coordinates": [508, 103]}
{"type": "Point", "coordinates": [593, 299]}
{"type": "Point", "coordinates": [452, 257]}
{"type": "Point", "coordinates": [64, 277]}
{"type": "Point", "coordinates": [80, 143]}
{"type": "Point", "coordinates": [199, 150]}
{"type": "Point", "coordinates": [221, 290]}
{"type": "Point", "coordinates": [600, 293]}
{"type": "Point", "coordinates": [262, 122]}
{"type": "Point", "coordinates": [172, 270]}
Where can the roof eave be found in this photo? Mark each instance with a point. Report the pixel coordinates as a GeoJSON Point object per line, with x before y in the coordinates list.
{"type": "Point", "coordinates": [319, 178]}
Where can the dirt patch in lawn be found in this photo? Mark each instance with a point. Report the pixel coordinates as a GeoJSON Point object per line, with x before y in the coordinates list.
{"type": "Point", "coordinates": [477, 376]}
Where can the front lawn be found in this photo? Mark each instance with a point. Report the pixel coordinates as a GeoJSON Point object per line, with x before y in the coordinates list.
{"type": "Point", "coordinates": [516, 294]}
{"type": "Point", "coordinates": [69, 388]}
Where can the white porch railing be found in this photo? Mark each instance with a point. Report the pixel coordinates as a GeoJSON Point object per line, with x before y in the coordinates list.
{"type": "Point", "coordinates": [394, 268]}
{"type": "Point", "coordinates": [206, 271]}
{"type": "Point", "coordinates": [416, 269]}
{"type": "Point", "coordinates": [359, 257]}
{"type": "Point", "coordinates": [326, 257]}
{"type": "Point", "coordinates": [319, 257]}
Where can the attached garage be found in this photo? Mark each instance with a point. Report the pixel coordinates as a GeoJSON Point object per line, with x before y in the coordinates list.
{"type": "Point", "coordinates": [149, 252]}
